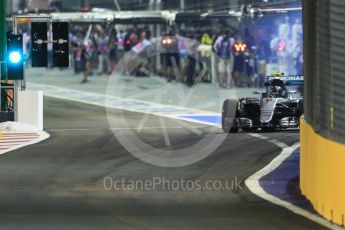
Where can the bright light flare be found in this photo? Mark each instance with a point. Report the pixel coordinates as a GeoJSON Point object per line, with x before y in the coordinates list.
{"type": "Point", "coordinates": [15, 57]}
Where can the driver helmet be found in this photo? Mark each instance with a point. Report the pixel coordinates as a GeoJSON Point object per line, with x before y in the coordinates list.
{"type": "Point", "coordinates": [277, 90]}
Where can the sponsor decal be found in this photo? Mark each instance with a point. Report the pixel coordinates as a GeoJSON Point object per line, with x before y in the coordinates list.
{"type": "Point", "coordinates": [292, 78]}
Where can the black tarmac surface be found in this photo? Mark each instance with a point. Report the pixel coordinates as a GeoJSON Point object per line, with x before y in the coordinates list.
{"type": "Point", "coordinates": [59, 183]}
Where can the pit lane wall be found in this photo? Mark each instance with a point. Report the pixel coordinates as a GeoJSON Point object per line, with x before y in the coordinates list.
{"type": "Point", "coordinates": [322, 174]}
{"type": "Point", "coordinates": [322, 165]}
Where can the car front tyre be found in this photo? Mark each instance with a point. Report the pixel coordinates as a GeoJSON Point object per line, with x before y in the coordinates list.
{"type": "Point", "coordinates": [229, 124]}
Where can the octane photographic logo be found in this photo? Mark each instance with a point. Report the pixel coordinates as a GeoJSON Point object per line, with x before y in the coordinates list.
{"type": "Point", "coordinates": [150, 80]}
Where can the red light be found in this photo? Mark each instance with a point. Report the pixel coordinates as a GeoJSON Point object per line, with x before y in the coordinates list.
{"type": "Point", "coordinates": [240, 47]}
{"type": "Point", "coordinates": [282, 46]}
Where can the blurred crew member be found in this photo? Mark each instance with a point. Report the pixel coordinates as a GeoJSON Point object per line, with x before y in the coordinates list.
{"type": "Point", "coordinates": [103, 47]}
{"type": "Point", "coordinates": [223, 47]}
{"type": "Point", "coordinates": [192, 49]}
{"type": "Point", "coordinates": [112, 55]}
{"type": "Point", "coordinates": [121, 43]}
{"type": "Point", "coordinates": [206, 55]}
{"type": "Point", "coordinates": [142, 53]}
{"type": "Point", "coordinates": [131, 39]}
{"type": "Point", "coordinates": [85, 62]}
{"type": "Point", "coordinates": [171, 56]}
{"type": "Point", "coordinates": [239, 66]}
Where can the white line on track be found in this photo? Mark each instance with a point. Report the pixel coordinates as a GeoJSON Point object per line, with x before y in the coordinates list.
{"type": "Point", "coordinates": [144, 128]}
{"type": "Point", "coordinates": [4, 139]}
{"type": "Point", "coordinates": [254, 186]}
{"type": "Point", "coordinates": [13, 140]}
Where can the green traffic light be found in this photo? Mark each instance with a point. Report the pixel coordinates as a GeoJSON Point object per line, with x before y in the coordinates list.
{"type": "Point", "coordinates": [15, 57]}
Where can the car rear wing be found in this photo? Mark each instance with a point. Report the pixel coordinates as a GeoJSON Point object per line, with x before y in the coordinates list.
{"type": "Point", "coordinates": [288, 80]}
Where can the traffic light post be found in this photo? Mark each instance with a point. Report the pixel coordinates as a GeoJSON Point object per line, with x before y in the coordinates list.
{"type": "Point", "coordinates": [44, 32]}
{"type": "Point", "coordinates": [27, 106]}
{"type": "Point", "coordinates": [20, 105]}
{"type": "Point", "coordinates": [42, 27]}
{"type": "Point", "coordinates": [15, 63]}
{"type": "Point", "coordinates": [2, 45]}
{"type": "Point", "coordinates": [2, 37]}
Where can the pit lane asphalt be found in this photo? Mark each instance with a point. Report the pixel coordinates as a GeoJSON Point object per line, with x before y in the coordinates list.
{"type": "Point", "coordinates": [58, 184]}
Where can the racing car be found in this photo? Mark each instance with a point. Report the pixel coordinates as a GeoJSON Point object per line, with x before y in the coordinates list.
{"type": "Point", "coordinates": [279, 107]}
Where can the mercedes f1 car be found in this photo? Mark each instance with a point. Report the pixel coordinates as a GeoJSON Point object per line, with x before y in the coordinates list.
{"type": "Point", "coordinates": [279, 107]}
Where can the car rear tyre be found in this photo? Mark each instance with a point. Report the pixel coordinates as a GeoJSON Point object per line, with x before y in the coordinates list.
{"type": "Point", "coordinates": [300, 108]}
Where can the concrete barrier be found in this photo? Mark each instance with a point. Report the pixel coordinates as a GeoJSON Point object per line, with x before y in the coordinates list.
{"type": "Point", "coordinates": [30, 108]}
{"type": "Point", "coordinates": [322, 174]}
